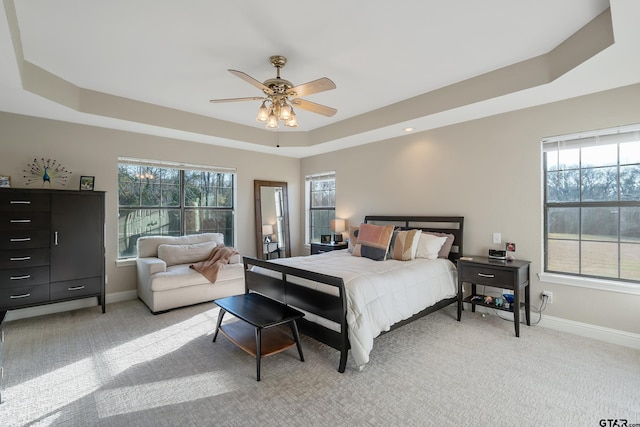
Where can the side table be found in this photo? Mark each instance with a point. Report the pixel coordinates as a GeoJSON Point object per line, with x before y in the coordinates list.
{"type": "Point", "coordinates": [318, 248]}
{"type": "Point", "coordinates": [479, 270]}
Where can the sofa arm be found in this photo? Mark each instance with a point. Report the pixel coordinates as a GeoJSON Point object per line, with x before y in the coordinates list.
{"type": "Point", "coordinates": [147, 267]}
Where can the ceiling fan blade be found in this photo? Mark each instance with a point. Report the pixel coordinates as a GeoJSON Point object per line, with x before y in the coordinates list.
{"type": "Point", "coordinates": [313, 107]}
{"type": "Point", "coordinates": [250, 98]}
{"type": "Point", "coordinates": [315, 86]}
{"type": "Point", "coordinates": [247, 78]}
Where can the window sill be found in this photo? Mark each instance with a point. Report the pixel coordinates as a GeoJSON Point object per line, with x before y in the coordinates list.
{"type": "Point", "coordinates": [583, 282]}
{"type": "Point", "coordinates": [127, 262]}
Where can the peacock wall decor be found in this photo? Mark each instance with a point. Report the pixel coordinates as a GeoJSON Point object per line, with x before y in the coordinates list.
{"type": "Point", "coordinates": [46, 171]}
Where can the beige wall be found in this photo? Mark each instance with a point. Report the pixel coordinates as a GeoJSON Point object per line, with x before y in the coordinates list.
{"type": "Point", "coordinates": [489, 171]}
{"type": "Point", "coordinates": [447, 171]}
{"type": "Point", "coordinates": [87, 150]}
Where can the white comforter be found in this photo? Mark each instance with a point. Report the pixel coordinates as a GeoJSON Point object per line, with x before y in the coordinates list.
{"type": "Point", "coordinates": [381, 293]}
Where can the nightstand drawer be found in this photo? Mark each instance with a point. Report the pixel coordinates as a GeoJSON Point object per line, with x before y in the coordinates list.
{"type": "Point", "coordinates": [485, 275]}
{"type": "Point", "coordinates": [318, 248]}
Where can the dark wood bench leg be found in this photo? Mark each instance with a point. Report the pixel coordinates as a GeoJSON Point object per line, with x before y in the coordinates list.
{"type": "Point", "coordinates": [220, 315]}
{"type": "Point", "coordinates": [258, 351]}
{"type": "Point", "coordinates": [296, 336]}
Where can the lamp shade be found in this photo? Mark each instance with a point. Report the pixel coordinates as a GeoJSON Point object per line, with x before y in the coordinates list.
{"type": "Point", "coordinates": [267, 229]}
{"type": "Point", "coordinates": [338, 225]}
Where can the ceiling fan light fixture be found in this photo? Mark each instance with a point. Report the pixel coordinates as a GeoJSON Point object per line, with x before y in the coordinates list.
{"type": "Point", "coordinates": [277, 102]}
{"type": "Point", "coordinates": [272, 121]}
{"type": "Point", "coordinates": [263, 113]}
{"type": "Point", "coordinates": [291, 121]}
{"type": "Point", "coordinates": [285, 111]}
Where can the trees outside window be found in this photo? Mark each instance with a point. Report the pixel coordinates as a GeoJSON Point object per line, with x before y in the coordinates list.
{"type": "Point", "coordinates": [321, 205]}
{"type": "Point", "coordinates": [158, 200]}
{"type": "Point", "coordinates": [592, 205]}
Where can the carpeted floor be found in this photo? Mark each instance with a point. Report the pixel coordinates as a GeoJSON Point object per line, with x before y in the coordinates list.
{"type": "Point", "coordinates": [131, 368]}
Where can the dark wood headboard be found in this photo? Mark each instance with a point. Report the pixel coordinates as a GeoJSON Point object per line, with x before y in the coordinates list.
{"type": "Point", "coordinates": [440, 224]}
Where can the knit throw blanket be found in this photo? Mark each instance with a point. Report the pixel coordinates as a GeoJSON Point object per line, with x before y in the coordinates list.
{"type": "Point", "coordinates": [210, 267]}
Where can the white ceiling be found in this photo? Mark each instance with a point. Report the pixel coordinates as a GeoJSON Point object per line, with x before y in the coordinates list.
{"type": "Point", "coordinates": [175, 54]}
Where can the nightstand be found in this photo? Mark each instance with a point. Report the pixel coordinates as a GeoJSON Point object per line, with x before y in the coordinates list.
{"type": "Point", "coordinates": [485, 271]}
{"type": "Point", "coordinates": [318, 248]}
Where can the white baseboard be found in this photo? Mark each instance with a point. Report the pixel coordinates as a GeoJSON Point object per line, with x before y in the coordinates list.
{"type": "Point", "coordinates": [614, 336]}
{"type": "Point", "coordinates": [59, 307]}
{"type": "Point", "coordinates": [121, 296]}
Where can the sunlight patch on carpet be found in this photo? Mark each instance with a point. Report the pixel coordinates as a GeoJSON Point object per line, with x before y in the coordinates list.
{"type": "Point", "coordinates": [142, 397]}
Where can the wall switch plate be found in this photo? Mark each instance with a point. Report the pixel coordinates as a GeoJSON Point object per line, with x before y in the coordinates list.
{"type": "Point", "coordinates": [497, 237]}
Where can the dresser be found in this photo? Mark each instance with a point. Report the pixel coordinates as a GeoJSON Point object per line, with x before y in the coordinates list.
{"type": "Point", "coordinates": [3, 313]}
{"type": "Point", "coordinates": [51, 247]}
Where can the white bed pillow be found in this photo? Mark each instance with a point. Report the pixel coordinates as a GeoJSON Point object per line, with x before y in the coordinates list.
{"type": "Point", "coordinates": [185, 254]}
{"type": "Point", "coordinates": [429, 246]}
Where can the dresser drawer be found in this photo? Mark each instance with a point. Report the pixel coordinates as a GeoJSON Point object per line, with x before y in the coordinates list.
{"type": "Point", "coordinates": [486, 276]}
{"type": "Point", "coordinates": [21, 258]}
{"type": "Point", "coordinates": [20, 221]}
{"type": "Point", "coordinates": [75, 288]}
{"type": "Point", "coordinates": [17, 277]}
{"type": "Point", "coordinates": [24, 201]}
{"type": "Point", "coordinates": [24, 240]}
{"type": "Point", "coordinates": [23, 296]}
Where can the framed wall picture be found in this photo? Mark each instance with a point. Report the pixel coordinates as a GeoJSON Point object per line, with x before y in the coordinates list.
{"type": "Point", "coordinates": [87, 183]}
{"type": "Point", "coordinates": [5, 181]}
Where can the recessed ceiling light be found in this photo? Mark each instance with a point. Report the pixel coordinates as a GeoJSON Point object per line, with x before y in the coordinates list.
{"type": "Point", "coordinates": [408, 129]}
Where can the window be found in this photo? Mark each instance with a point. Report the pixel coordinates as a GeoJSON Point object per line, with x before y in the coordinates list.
{"type": "Point", "coordinates": [172, 200]}
{"type": "Point", "coordinates": [321, 205]}
{"type": "Point", "coordinates": [592, 205]}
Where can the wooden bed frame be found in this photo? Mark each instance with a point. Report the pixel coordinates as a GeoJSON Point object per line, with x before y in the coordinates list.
{"type": "Point", "coordinates": [334, 307]}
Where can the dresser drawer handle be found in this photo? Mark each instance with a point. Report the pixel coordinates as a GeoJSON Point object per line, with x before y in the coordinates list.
{"type": "Point", "coordinates": [20, 221]}
{"type": "Point", "coordinates": [20, 202]}
{"type": "Point", "coordinates": [26, 276]}
{"type": "Point", "coordinates": [21, 239]}
{"type": "Point", "coordinates": [20, 258]}
{"type": "Point", "coordinates": [75, 288]}
{"type": "Point", "coordinates": [20, 296]}
{"type": "Point", "coordinates": [490, 276]}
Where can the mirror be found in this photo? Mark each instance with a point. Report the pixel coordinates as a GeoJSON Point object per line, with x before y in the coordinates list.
{"type": "Point", "coordinates": [272, 219]}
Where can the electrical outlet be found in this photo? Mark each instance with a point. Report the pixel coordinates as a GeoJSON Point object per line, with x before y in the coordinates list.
{"type": "Point", "coordinates": [497, 237]}
{"type": "Point", "coordinates": [549, 296]}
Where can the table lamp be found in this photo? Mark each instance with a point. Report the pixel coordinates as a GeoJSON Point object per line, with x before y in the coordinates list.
{"type": "Point", "coordinates": [338, 226]}
{"type": "Point", "coordinates": [267, 231]}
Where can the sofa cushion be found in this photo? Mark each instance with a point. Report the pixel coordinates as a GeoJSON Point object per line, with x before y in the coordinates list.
{"type": "Point", "coordinates": [185, 254]}
{"type": "Point", "coordinates": [181, 276]}
{"type": "Point", "coordinates": [148, 245]}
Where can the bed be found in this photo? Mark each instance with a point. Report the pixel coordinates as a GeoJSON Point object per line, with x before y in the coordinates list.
{"type": "Point", "coordinates": [349, 300]}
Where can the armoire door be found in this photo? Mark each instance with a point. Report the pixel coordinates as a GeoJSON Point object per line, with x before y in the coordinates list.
{"type": "Point", "coordinates": [77, 231]}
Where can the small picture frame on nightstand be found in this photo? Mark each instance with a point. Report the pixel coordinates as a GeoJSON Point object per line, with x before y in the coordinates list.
{"type": "Point", "coordinates": [325, 238]}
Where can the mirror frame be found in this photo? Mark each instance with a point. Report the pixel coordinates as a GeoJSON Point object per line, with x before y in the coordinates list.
{"type": "Point", "coordinates": [257, 187]}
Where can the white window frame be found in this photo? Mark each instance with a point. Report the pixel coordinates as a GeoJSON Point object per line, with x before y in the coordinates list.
{"type": "Point", "coordinates": [620, 134]}
{"type": "Point", "coordinates": [184, 167]}
{"type": "Point", "coordinates": [308, 180]}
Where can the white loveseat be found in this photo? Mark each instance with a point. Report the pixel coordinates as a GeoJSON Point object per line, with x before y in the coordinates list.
{"type": "Point", "coordinates": [165, 280]}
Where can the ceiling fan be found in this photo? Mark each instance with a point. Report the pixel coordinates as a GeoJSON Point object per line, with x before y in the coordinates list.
{"type": "Point", "coordinates": [281, 95]}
